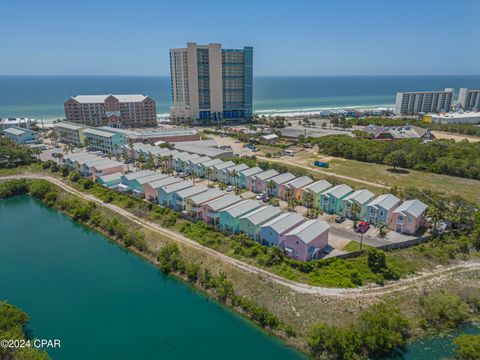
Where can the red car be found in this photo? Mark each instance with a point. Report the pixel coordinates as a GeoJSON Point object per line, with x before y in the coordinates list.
{"type": "Point", "coordinates": [362, 227]}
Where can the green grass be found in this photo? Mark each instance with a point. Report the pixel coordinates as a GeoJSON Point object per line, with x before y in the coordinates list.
{"type": "Point", "coordinates": [355, 246]}
{"type": "Point", "coordinates": [467, 188]}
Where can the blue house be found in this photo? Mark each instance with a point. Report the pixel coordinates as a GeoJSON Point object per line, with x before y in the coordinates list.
{"type": "Point", "coordinates": [380, 210]}
{"type": "Point", "coordinates": [21, 136]}
{"type": "Point", "coordinates": [166, 193]}
{"type": "Point", "coordinates": [332, 199]}
{"type": "Point", "coordinates": [271, 232]}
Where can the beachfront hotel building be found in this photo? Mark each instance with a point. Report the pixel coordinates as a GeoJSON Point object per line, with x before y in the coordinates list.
{"type": "Point", "coordinates": [211, 84]}
{"type": "Point", "coordinates": [469, 100]}
{"type": "Point", "coordinates": [112, 110]}
{"type": "Point", "coordinates": [412, 103]}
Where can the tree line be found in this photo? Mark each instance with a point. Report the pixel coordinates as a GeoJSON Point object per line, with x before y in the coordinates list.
{"type": "Point", "coordinates": [446, 157]}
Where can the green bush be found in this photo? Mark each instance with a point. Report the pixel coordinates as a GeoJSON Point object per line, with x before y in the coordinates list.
{"type": "Point", "coordinates": [443, 311]}
{"type": "Point", "coordinates": [468, 347]}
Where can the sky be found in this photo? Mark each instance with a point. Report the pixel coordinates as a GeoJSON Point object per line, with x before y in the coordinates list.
{"type": "Point", "coordinates": [295, 37]}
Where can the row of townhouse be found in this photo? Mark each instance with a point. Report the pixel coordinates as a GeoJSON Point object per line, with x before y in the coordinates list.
{"type": "Point", "coordinates": [301, 239]}
{"type": "Point", "coordinates": [91, 165]}
{"type": "Point", "coordinates": [339, 199]}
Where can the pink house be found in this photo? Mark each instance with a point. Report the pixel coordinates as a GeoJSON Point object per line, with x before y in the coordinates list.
{"type": "Point", "coordinates": [296, 187]}
{"type": "Point", "coordinates": [151, 189]}
{"type": "Point", "coordinates": [106, 168]}
{"type": "Point", "coordinates": [306, 241]}
{"type": "Point", "coordinates": [210, 211]}
{"type": "Point", "coordinates": [408, 217]}
{"type": "Point", "coordinates": [258, 181]}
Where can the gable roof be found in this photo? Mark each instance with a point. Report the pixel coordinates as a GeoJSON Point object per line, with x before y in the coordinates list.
{"type": "Point", "coordinates": [110, 177]}
{"type": "Point", "coordinates": [319, 186]}
{"type": "Point", "coordinates": [207, 196]}
{"type": "Point", "coordinates": [191, 191]}
{"type": "Point", "coordinates": [300, 182]}
{"type": "Point", "coordinates": [223, 202]}
{"type": "Point", "coordinates": [199, 160]}
{"type": "Point", "coordinates": [360, 196]}
{"type": "Point", "coordinates": [414, 207]}
{"type": "Point", "coordinates": [283, 222]}
{"type": "Point", "coordinates": [251, 171]}
{"type": "Point", "coordinates": [386, 201]}
{"type": "Point", "coordinates": [162, 182]}
{"type": "Point", "coordinates": [221, 166]}
{"type": "Point", "coordinates": [212, 162]}
{"type": "Point", "coordinates": [151, 178]}
{"type": "Point", "coordinates": [98, 133]}
{"type": "Point", "coordinates": [282, 178]}
{"type": "Point", "coordinates": [242, 207]}
{"type": "Point", "coordinates": [138, 174]}
{"type": "Point", "coordinates": [339, 191]}
{"type": "Point", "coordinates": [266, 174]}
{"type": "Point", "coordinates": [309, 230]}
{"type": "Point", "coordinates": [177, 186]}
{"type": "Point", "coordinates": [237, 168]}
{"type": "Point", "coordinates": [262, 215]}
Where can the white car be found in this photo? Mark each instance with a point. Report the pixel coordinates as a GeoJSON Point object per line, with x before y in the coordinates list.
{"type": "Point", "coordinates": [260, 196]}
{"type": "Point", "coordinates": [230, 188]}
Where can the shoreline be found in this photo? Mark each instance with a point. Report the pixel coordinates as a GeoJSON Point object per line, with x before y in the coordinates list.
{"type": "Point", "coordinates": [287, 112]}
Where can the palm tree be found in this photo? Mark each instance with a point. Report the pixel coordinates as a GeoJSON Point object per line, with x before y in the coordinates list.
{"type": "Point", "coordinates": [208, 172]}
{"type": "Point", "coordinates": [354, 212]}
{"type": "Point", "coordinates": [234, 175]}
{"type": "Point", "coordinates": [59, 156]}
{"type": "Point", "coordinates": [193, 176]}
{"type": "Point", "coordinates": [270, 186]}
{"type": "Point", "coordinates": [307, 198]}
{"type": "Point", "coordinates": [170, 162]}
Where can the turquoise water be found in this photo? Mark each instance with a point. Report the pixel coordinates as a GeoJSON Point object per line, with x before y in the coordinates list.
{"type": "Point", "coordinates": [103, 302]}
{"type": "Point", "coordinates": [43, 96]}
{"type": "Point", "coordinates": [434, 348]}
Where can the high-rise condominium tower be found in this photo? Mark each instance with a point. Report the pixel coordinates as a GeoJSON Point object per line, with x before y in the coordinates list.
{"type": "Point", "coordinates": [211, 84]}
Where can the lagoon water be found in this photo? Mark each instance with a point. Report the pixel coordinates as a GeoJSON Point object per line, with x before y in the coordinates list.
{"type": "Point", "coordinates": [103, 302]}
{"type": "Point", "coordinates": [42, 97]}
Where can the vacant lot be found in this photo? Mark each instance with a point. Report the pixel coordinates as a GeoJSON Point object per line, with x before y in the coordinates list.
{"type": "Point", "coordinates": [381, 175]}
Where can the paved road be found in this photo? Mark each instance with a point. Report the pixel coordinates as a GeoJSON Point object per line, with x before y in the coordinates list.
{"type": "Point", "coordinates": [438, 274]}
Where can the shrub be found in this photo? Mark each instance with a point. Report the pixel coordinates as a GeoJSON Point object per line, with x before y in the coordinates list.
{"type": "Point", "coordinates": [443, 311]}
{"type": "Point", "coordinates": [468, 347]}
{"type": "Point", "coordinates": [169, 258]}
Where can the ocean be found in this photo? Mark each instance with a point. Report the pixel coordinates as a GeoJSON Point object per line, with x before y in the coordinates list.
{"type": "Point", "coordinates": [42, 97]}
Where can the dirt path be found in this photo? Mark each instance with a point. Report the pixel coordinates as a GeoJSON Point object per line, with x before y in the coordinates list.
{"type": "Point", "coordinates": [421, 279]}
{"type": "Point", "coordinates": [298, 163]}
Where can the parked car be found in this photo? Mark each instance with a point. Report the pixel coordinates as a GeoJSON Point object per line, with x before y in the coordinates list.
{"type": "Point", "coordinates": [260, 196]}
{"type": "Point", "coordinates": [289, 152]}
{"type": "Point", "coordinates": [230, 188]}
{"type": "Point", "coordinates": [339, 219]}
{"type": "Point", "coordinates": [362, 227]}
{"type": "Point", "coordinates": [182, 175]}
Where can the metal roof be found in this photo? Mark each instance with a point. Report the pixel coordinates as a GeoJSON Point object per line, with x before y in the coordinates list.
{"type": "Point", "coordinates": [138, 174]}
{"type": "Point", "coordinates": [414, 207]}
{"type": "Point", "coordinates": [251, 171]}
{"type": "Point", "coordinates": [360, 196]}
{"type": "Point", "coordinates": [107, 165]}
{"type": "Point", "coordinates": [199, 160]}
{"type": "Point", "coordinates": [162, 182]}
{"type": "Point", "coordinates": [151, 178]}
{"type": "Point", "coordinates": [207, 196]}
{"type": "Point", "coordinates": [68, 125]}
{"type": "Point", "coordinates": [339, 191]}
{"type": "Point", "coordinates": [242, 207]}
{"type": "Point", "coordinates": [223, 202]}
{"type": "Point", "coordinates": [309, 230]}
{"type": "Point", "coordinates": [98, 133]}
{"type": "Point", "coordinates": [192, 191]}
{"type": "Point", "coordinates": [177, 186]}
{"type": "Point", "coordinates": [282, 178]}
{"type": "Point", "coordinates": [97, 99]}
{"type": "Point", "coordinates": [300, 182]}
{"type": "Point", "coordinates": [237, 168]}
{"type": "Point", "coordinates": [266, 174]}
{"type": "Point", "coordinates": [283, 222]}
{"type": "Point", "coordinates": [220, 166]}
{"type": "Point", "coordinates": [14, 131]}
{"type": "Point", "coordinates": [319, 186]}
{"type": "Point", "coordinates": [212, 162]}
{"type": "Point", "coordinates": [110, 177]}
{"type": "Point", "coordinates": [386, 201]}
{"type": "Point", "coordinates": [262, 215]}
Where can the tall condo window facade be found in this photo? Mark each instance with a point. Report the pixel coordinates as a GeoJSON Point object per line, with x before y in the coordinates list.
{"type": "Point", "coordinates": [411, 103]}
{"type": "Point", "coordinates": [469, 99]}
{"type": "Point", "coordinates": [211, 84]}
